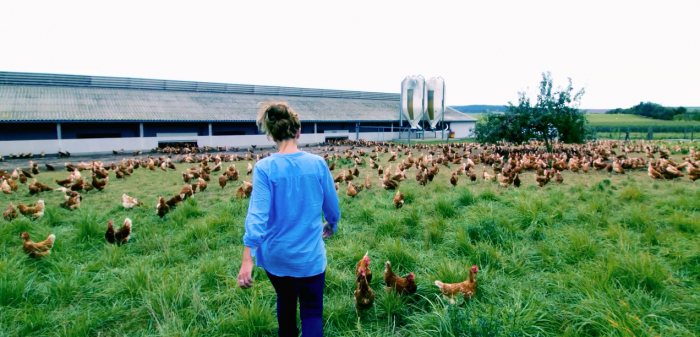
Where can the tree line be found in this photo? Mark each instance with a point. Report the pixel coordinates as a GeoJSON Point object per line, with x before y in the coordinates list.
{"type": "Point", "coordinates": [658, 111]}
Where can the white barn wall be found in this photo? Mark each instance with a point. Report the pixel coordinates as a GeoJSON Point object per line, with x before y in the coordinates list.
{"type": "Point", "coordinates": [463, 129]}
{"type": "Point", "coordinates": [131, 144]}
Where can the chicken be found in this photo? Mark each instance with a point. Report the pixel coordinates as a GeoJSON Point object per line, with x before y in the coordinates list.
{"type": "Point", "coordinates": [249, 169]}
{"type": "Point", "coordinates": [364, 295]}
{"type": "Point", "coordinates": [130, 202]}
{"type": "Point", "coordinates": [617, 167]}
{"type": "Point", "coordinates": [42, 186]}
{"type": "Point", "coordinates": [72, 202]}
{"type": "Point", "coordinates": [244, 190]}
{"type": "Point", "coordinates": [122, 235]}
{"type": "Point", "coordinates": [402, 285]}
{"type": "Point", "coordinates": [65, 182]}
{"type": "Point", "coordinates": [558, 177]}
{"type": "Point", "coordinates": [503, 179]}
{"type": "Point", "coordinates": [187, 191]}
{"type": "Point", "coordinates": [202, 185]}
{"type": "Point", "coordinates": [175, 200]}
{"type": "Point", "coordinates": [368, 183]}
{"type": "Point", "coordinates": [488, 177]}
{"type": "Point", "coordinates": [50, 167]}
{"type": "Point", "coordinates": [37, 249]}
{"type": "Point", "coordinates": [99, 185]}
{"type": "Point", "coordinates": [467, 288]}
{"type": "Point", "coordinates": [32, 211]}
{"type": "Point", "coordinates": [453, 179]}
{"type": "Point", "coordinates": [352, 192]}
{"type": "Point", "coordinates": [162, 208]}
{"type": "Point", "coordinates": [10, 213]}
{"type": "Point", "coordinates": [516, 180]}
{"type": "Point", "coordinates": [398, 200]}
{"type": "Point", "coordinates": [109, 235]}
{"type": "Point", "coordinates": [363, 266]}
{"type": "Point", "coordinates": [5, 186]}
{"type": "Point", "coordinates": [222, 181]}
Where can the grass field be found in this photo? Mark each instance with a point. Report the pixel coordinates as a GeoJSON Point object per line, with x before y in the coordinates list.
{"type": "Point", "coordinates": [599, 255]}
{"type": "Point", "coordinates": [633, 120]}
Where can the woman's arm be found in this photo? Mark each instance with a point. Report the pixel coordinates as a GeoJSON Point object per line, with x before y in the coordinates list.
{"type": "Point", "coordinates": [330, 208]}
{"type": "Point", "coordinates": [245, 279]}
{"type": "Point", "coordinates": [258, 211]}
{"type": "Point", "coordinates": [255, 224]}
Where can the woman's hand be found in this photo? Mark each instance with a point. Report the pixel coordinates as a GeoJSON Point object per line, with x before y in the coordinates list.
{"type": "Point", "coordinates": [327, 230]}
{"type": "Point", "coordinates": [245, 278]}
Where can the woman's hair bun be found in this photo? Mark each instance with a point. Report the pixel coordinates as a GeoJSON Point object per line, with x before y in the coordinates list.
{"type": "Point", "coordinates": [278, 120]}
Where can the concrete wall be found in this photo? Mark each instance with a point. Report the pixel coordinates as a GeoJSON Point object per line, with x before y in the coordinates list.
{"type": "Point", "coordinates": [131, 144]}
{"type": "Point", "coordinates": [463, 130]}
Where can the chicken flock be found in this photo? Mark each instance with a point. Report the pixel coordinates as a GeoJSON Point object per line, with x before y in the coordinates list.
{"type": "Point", "coordinates": [502, 163]}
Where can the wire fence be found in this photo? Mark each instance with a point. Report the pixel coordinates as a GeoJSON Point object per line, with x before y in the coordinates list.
{"type": "Point", "coordinates": [645, 132]}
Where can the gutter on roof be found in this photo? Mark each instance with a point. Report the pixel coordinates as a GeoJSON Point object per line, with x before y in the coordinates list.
{"type": "Point", "coordinates": [40, 79]}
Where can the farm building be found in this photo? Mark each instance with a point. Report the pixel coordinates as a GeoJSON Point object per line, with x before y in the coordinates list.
{"type": "Point", "coordinates": [92, 114]}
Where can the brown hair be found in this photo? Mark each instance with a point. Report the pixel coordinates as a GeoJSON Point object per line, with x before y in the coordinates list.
{"type": "Point", "coordinates": [278, 120]}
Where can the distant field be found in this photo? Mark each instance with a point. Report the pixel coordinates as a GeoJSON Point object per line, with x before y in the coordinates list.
{"type": "Point", "coordinates": [604, 120]}
{"type": "Point", "coordinates": [632, 120]}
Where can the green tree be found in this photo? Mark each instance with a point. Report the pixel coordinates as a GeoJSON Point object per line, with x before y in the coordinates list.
{"type": "Point", "coordinates": [555, 114]}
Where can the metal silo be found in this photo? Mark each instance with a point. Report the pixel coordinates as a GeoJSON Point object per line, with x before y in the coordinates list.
{"type": "Point", "coordinates": [412, 107]}
{"type": "Point", "coordinates": [434, 100]}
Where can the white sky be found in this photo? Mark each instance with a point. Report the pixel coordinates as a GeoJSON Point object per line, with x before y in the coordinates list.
{"type": "Point", "coordinates": [623, 52]}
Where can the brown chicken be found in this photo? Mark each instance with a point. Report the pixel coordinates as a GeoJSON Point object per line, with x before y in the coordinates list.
{"type": "Point", "coordinates": [32, 211]}
{"type": "Point", "coordinates": [453, 179]}
{"type": "Point", "coordinates": [398, 200]}
{"type": "Point", "coordinates": [37, 249]}
{"type": "Point", "coordinates": [249, 169]}
{"type": "Point", "coordinates": [368, 183]}
{"type": "Point", "coordinates": [467, 288]}
{"type": "Point", "coordinates": [352, 192]}
{"type": "Point", "coordinates": [558, 177]}
{"type": "Point", "coordinates": [10, 212]}
{"type": "Point", "coordinates": [244, 190]}
{"type": "Point", "coordinates": [99, 185]}
{"type": "Point", "coordinates": [42, 186]}
{"type": "Point", "coordinates": [653, 173]}
{"type": "Point", "coordinates": [162, 208]}
{"type": "Point", "coordinates": [222, 181]}
{"type": "Point", "coordinates": [363, 265]}
{"type": "Point", "coordinates": [72, 203]}
{"type": "Point", "coordinates": [187, 191]}
{"type": "Point", "coordinates": [402, 285]}
{"type": "Point", "coordinates": [364, 295]}
{"type": "Point", "coordinates": [516, 180]}
{"type": "Point", "coordinates": [202, 185]}
{"type": "Point", "coordinates": [122, 235]}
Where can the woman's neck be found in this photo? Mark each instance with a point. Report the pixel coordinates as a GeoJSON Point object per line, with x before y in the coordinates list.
{"type": "Point", "coordinates": [287, 146]}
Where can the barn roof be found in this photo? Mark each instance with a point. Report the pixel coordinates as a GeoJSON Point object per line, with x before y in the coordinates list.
{"type": "Point", "coordinates": [27, 97]}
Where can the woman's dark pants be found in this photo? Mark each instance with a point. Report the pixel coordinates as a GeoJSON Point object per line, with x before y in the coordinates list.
{"type": "Point", "coordinates": [309, 291]}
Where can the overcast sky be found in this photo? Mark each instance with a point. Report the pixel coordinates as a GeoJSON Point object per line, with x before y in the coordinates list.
{"type": "Point", "coordinates": [623, 52]}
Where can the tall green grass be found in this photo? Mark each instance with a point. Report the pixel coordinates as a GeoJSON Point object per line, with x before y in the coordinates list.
{"type": "Point", "coordinates": [599, 255]}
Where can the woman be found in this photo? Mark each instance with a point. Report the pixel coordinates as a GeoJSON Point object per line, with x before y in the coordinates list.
{"type": "Point", "coordinates": [283, 229]}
